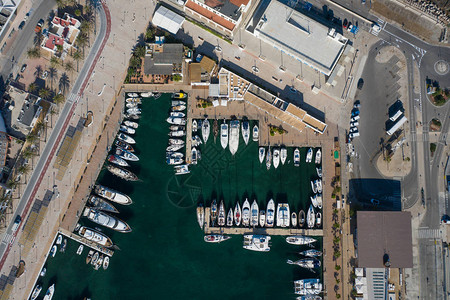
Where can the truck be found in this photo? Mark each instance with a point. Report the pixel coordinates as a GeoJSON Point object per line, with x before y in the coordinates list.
{"type": "Point", "coordinates": [39, 25]}
{"type": "Point", "coordinates": [397, 125]}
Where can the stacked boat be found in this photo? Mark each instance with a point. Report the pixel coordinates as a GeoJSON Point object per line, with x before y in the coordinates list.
{"type": "Point", "coordinates": [314, 219]}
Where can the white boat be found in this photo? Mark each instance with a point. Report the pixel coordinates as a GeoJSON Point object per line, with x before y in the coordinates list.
{"type": "Point", "coordinates": [80, 249]}
{"type": "Point", "coordinates": [132, 104]}
{"type": "Point", "coordinates": [176, 121]}
{"type": "Point", "coordinates": [294, 219]}
{"type": "Point", "coordinates": [146, 94]}
{"type": "Point", "coordinates": [307, 263]}
{"type": "Point", "coordinates": [112, 195]}
{"type": "Point", "coordinates": [177, 114]}
{"type": "Point", "coordinates": [201, 215]}
{"type": "Point", "coordinates": [178, 107]}
{"type": "Point", "coordinates": [106, 220]}
{"type": "Point", "coordinates": [131, 124]}
{"type": "Point", "coordinates": [134, 95]}
{"type": "Point", "coordinates": [178, 102]}
{"type": "Point", "coordinates": [213, 212]}
{"type": "Point", "coordinates": [95, 236]}
{"type": "Point", "coordinates": [132, 100]}
{"type": "Point", "coordinates": [50, 292]}
{"type": "Point", "coordinates": [318, 184]}
{"type": "Point", "coordinates": [173, 148]}
{"type": "Point", "coordinates": [283, 215]}
{"type": "Point", "coordinates": [255, 133]}
{"type": "Point", "coordinates": [224, 135]}
{"type": "Point", "coordinates": [230, 217]}
{"type": "Point", "coordinates": [117, 160]}
{"type": "Point", "coordinates": [174, 160]}
{"type": "Point", "coordinates": [245, 131]}
{"type": "Point", "coordinates": [215, 238]}
{"type": "Point", "coordinates": [43, 272]}
{"type": "Point", "coordinates": [59, 239]}
{"type": "Point", "coordinates": [300, 240]}
{"type": "Point", "coordinates": [283, 155]}
{"type": "Point", "coordinates": [183, 169]}
{"type": "Point", "coordinates": [177, 127]}
{"type": "Point", "coordinates": [99, 262]}
{"type": "Point", "coordinates": [194, 126]}
{"type": "Point", "coordinates": [262, 152]}
{"type": "Point", "coordinates": [194, 156]}
{"type": "Point", "coordinates": [257, 242]}
{"type": "Point", "coordinates": [319, 201]}
{"type": "Point", "coordinates": [313, 186]}
{"type": "Point", "coordinates": [311, 253]}
{"type": "Point", "coordinates": [37, 290]}
{"type": "Point", "coordinates": [106, 263]}
{"type": "Point", "coordinates": [310, 217]}
{"type": "Point", "coordinates": [126, 138]}
{"type": "Point", "coordinates": [237, 214]}
{"type": "Point", "coordinates": [268, 159]}
{"type": "Point", "coordinates": [314, 200]}
{"type": "Point", "coordinates": [134, 111]}
{"type": "Point", "coordinates": [318, 157]}
{"type": "Point", "coordinates": [53, 251]}
{"type": "Point", "coordinates": [126, 155]}
{"type": "Point", "coordinates": [262, 218]}
{"type": "Point", "coordinates": [318, 219]}
{"type": "Point", "coordinates": [319, 172]}
{"type": "Point", "coordinates": [309, 155]}
{"type": "Point", "coordinates": [307, 287]}
{"type": "Point", "coordinates": [246, 213]}
{"type": "Point", "coordinates": [63, 247]}
{"type": "Point", "coordinates": [276, 157]}
{"type": "Point", "coordinates": [254, 219]}
{"type": "Point", "coordinates": [178, 133]}
{"type": "Point", "coordinates": [176, 142]}
{"type": "Point", "coordinates": [296, 157]}
{"type": "Point", "coordinates": [233, 141]}
{"type": "Point", "coordinates": [89, 256]}
{"type": "Point", "coordinates": [221, 216]}
{"type": "Point", "coordinates": [270, 213]}
{"type": "Point", "coordinates": [95, 258]}
{"type": "Point", "coordinates": [206, 128]}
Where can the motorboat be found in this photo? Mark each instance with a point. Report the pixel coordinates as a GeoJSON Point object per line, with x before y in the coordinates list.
{"type": "Point", "coordinates": [318, 157]}
{"type": "Point", "coordinates": [294, 219]}
{"type": "Point", "coordinates": [177, 127]}
{"type": "Point", "coordinates": [112, 195]}
{"type": "Point", "coordinates": [233, 141]}
{"type": "Point", "coordinates": [313, 186]}
{"type": "Point", "coordinates": [255, 134]}
{"type": "Point", "coordinates": [254, 214]}
{"type": "Point", "coordinates": [133, 100]}
{"type": "Point", "coordinates": [319, 172]}
{"type": "Point", "coordinates": [276, 157]}
{"type": "Point", "coordinates": [224, 135]}
{"type": "Point", "coordinates": [174, 160]}
{"type": "Point", "coordinates": [173, 148]}
{"type": "Point", "coordinates": [106, 263]}
{"type": "Point", "coordinates": [182, 169]}
{"type": "Point", "coordinates": [122, 173]}
{"type": "Point", "coordinates": [270, 213]}
{"type": "Point", "coordinates": [132, 104]}
{"type": "Point", "coordinates": [245, 131]}
{"type": "Point", "coordinates": [246, 213]}
{"type": "Point", "coordinates": [314, 200]}
{"type": "Point", "coordinates": [178, 107]}
{"type": "Point", "coordinates": [59, 239]}
{"type": "Point", "coordinates": [300, 240]}
{"type": "Point", "coordinates": [95, 236]}
{"type": "Point", "coordinates": [134, 111]}
{"type": "Point", "coordinates": [133, 95]}
{"type": "Point", "coordinates": [283, 215]}
{"type": "Point", "coordinates": [201, 215]}
{"type": "Point", "coordinates": [301, 218]}
{"type": "Point", "coordinates": [206, 128]}
{"type": "Point", "coordinates": [63, 247]}
{"type": "Point", "coordinates": [124, 154]}
{"type": "Point", "coordinates": [307, 287]}
{"type": "Point", "coordinates": [262, 217]}
{"type": "Point", "coordinates": [174, 155]}
{"type": "Point", "coordinates": [123, 145]}
{"type": "Point", "coordinates": [296, 157]}
{"type": "Point", "coordinates": [131, 124]}
{"type": "Point", "coordinates": [213, 212]}
{"type": "Point", "coordinates": [156, 95]}
{"type": "Point", "coordinates": [53, 251]}
{"type": "Point", "coordinates": [178, 133]}
{"type": "Point", "coordinates": [176, 142]}
{"type": "Point", "coordinates": [255, 242]}
{"type": "Point", "coordinates": [216, 238]}
{"type": "Point", "coordinates": [230, 217]}
{"type": "Point", "coordinates": [194, 126]}
{"type": "Point", "coordinates": [176, 121]}
{"type": "Point", "coordinates": [237, 214]}
{"type": "Point", "coordinates": [221, 216]}
{"type": "Point", "coordinates": [196, 141]}
{"type": "Point", "coordinates": [126, 138]}
{"type": "Point", "coordinates": [99, 262]}
{"type": "Point", "coordinates": [100, 204]}
{"type": "Point", "coordinates": [310, 217]}
{"type": "Point", "coordinates": [146, 94]}
{"type": "Point", "coordinates": [117, 160]}
{"type": "Point", "coordinates": [179, 95]}
{"type": "Point", "coordinates": [268, 159]}
{"type": "Point", "coordinates": [178, 102]}
{"type": "Point", "coordinates": [194, 156]}
{"type": "Point", "coordinates": [177, 114]}
{"type": "Point", "coordinates": [43, 272]}
{"type": "Point", "coordinates": [307, 263]}
{"type": "Point", "coordinates": [309, 155]}
{"type": "Point", "coordinates": [262, 154]}
{"type": "Point", "coordinates": [283, 155]}
{"type": "Point", "coordinates": [127, 129]}
{"type": "Point", "coordinates": [319, 201]}
{"type": "Point", "coordinates": [319, 185]}
{"type": "Point", "coordinates": [311, 253]}
{"type": "Point", "coordinates": [50, 292]}
{"type": "Point", "coordinates": [80, 249]}
{"type": "Point", "coordinates": [37, 290]}
{"type": "Point", "coordinates": [132, 116]}
{"type": "Point", "coordinates": [318, 219]}
{"type": "Point", "coordinates": [106, 220]}
{"type": "Point", "coordinates": [89, 256]}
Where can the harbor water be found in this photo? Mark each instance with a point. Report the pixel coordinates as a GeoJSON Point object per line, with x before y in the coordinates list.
{"type": "Point", "coordinates": [165, 257]}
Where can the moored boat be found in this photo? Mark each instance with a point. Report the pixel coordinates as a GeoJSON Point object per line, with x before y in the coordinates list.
{"type": "Point", "coordinates": [122, 173]}
{"type": "Point", "coordinates": [221, 216]}
{"type": "Point", "coordinates": [117, 161]}
{"type": "Point", "coordinates": [95, 236]}
{"type": "Point", "coordinates": [156, 94]}
{"type": "Point", "coordinates": [177, 127]}
{"type": "Point", "coordinates": [237, 214]}
{"type": "Point", "coordinates": [319, 201]}
{"type": "Point", "coordinates": [123, 145]}
{"type": "Point", "coordinates": [106, 220]}
{"type": "Point", "coordinates": [124, 154]}
{"type": "Point", "coordinates": [215, 238]}
{"type": "Point", "coordinates": [318, 184]}
{"type": "Point", "coordinates": [283, 155]}
{"type": "Point", "coordinates": [296, 157]}
{"type": "Point", "coordinates": [173, 148]}
{"type": "Point", "coordinates": [262, 152]}
{"type": "Point", "coordinates": [80, 249]}
{"type": "Point", "coordinates": [146, 94]}
{"type": "Point", "coordinates": [294, 219]}
{"type": "Point", "coordinates": [314, 200]}
{"type": "Point", "coordinates": [301, 218]}
{"type": "Point", "coordinates": [177, 114]}
{"type": "Point", "coordinates": [201, 215]}
{"type": "Point", "coordinates": [133, 95]}
{"type": "Point", "coordinates": [233, 140]}
{"type": "Point", "coordinates": [174, 160]}
{"type": "Point", "coordinates": [269, 158]}
{"type": "Point", "coordinates": [213, 212]}
{"type": "Point", "coordinates": [89, 256]}
{"type": "Point", "coordinates": [215, 129]}
{"type": "Point", "coordinates": [307, 263]}
{"type": "Point", "coordinates": [50, 292]}
{"type": "Point", "coordinates": [276, 157]}
{"type": "Point", "coordinates": [270, 213]}
{"type": "Point", "coordinates": [106, 263]}
{"type": "Point", "coordinates": [176, 121]}
{"type": "Point", "coordinates": [313, 187]}
{"type": "Point", "coordinates": [37, 290]}
{"type": "Point", "coordinates": [178, 107]}
{"type": "Point", "coordinates": [179, 95]}
{"type": "Point", "coordinates": [182, 169]}
{"type": "Point", "coordinates": [262, 217]}
{"type": "Point", "coordinates": [246, 213]}
{"type": "Point", "coordinates": [126, 138]}
{"type": "Point", "coordinates": [283, 215]}
{"type": "Point", "coordinates": [206, 128]}
{"type": "Point", "coordinates": [245, 131]}
{"type": "Point", "coordinates": [132, 116]}
{"type": "Point", "coordinates": [310, 217]}
{"type": "Point", "coordinates": [224, 135]}
{"type": "Point", "coordinates": [308, 287]}
{"type": "Point", "coordinates": [100, 204]}
{"type": "Point", "coordinates": [300, 240]}
{"type": "Point", "coordinates": [194, 156]}
{"type": "Point", "coordinates": [255, 135]}
{"type": "Point", "coordinates": [260, 243]}
{"type": "Point", "coordinates": [59, 239]}
{"type": "Point", "coordinates": [112, 195]}
{"type": "Point", "coordinates": [127, 129]}
{"type": "Point", "coordinates": [254, 218]}
{"type": "Point", "coordinates": [196, 141]}
{"type": "Point", "coordinates": [134, 111]}
{"type": "Point", "coordinates": [176, 142]}
{"type": "Point", "coordinates": [194, 126]}
{"type": "Point", "coordinates": [318, 219]}
{"type": "Point", "coordinates": [319, 172]}
{"type": "Point", "coordinates": [178, 133]}
{"type": "Point", "coordinates": [131, 124]}
{"type": "Point", "coordinates": [309, 155]}
{"type": "Point", "coordinates": [318, 157]}
{"type": "Point", "coordinates": [53, 251]}
{"type": "Point", "coordinates": [311, 253]}
{"type": "Point", "coordinates": [230, 217]}
{"type": "Point", "coordinates": [178, 102]}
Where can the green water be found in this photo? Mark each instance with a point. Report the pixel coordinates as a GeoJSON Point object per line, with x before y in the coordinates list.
{"type": "Point", "coordinates": [165, 257]}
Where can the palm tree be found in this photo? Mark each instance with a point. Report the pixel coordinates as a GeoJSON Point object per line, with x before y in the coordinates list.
{"type": "Point", "coordinates": [64, 82]}
{"type": "Point", "coordinates": [32, 87]}
{"type": "Point", "coordinates": [82, 41]}
{"type": "Point", "coordinates": [52, 73]}
{"type": "Point", "coordinates": [24, 169]}
{"type": "Point", "coordinates": [44, 93]}
{"type": "Point", "coordinates": [31, 138]}
{"type": "Point", "coordinates": [38, 38]}
{"type": "Point", "coordinates": [59, 99]}
{"type": "Point", "coordinates": [139, 51]}
{"type": "Point", "coordinates": [38, 72]}
{"type": "Point", "coordinates": [85, 27]}
{"type": "Point", "coordinates": [77, 12]}
{"type": "Point", "coordinates": [77, 56]}
{"type": "Point", "coordinates": [12, 183]}
{"type": "Point", "coordinates": [34, 53]}
{"type": "Point", "coordinates": [69, 67]}
{"type": "Point", "coordinates": [39, 126]}
{"type": "Point", "coordinates": [61, 4]}
{"type": "Point", "coordinates": [54, 61]}
{"type": "Point", "coordinates": [52, 113]}
{"type": "Point", "coordinates": [149, 34]}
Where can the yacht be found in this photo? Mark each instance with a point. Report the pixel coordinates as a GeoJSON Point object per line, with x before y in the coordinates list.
{"type": "Point", "coordinates": [319, 185]}
{"type": "Point", "coordinates": [301, 218]}
{"type": "Point", "coordinates": [178, 133]}
{"type": "Point", "coordinates": [283, 155]}
{"type": "Point", "coordinates": [311, 253]}
{"type": "Point", "coordinates": [173, 148]}
{"type": "Point", "coordinates": [194, 156]}
{"type": "Point", "coordinates": [132, 116]}
{"type": "Point", "coordinates": [213, 212]}
{"type": "Point", "coordinates": [255, 134]}
{"type": "Point", "coordinates": [182, 169]}
{"type": "Point", "coordinates": [318, 219]}
{"type": "Point", "coordinates": [206, 128]}
{"type": "Point", "coordinates": [122, 173]}
{"type": "Point", "coordinates": [177, 128]}
{"type": "Point", "coordinates": [80, 249]}
{"type": "Point", "coordinates": [309, 155]}
{"type": "Point", "coordinates": [221, 216]}
{"type": "Point", "coordinates": [123, 145]}
{"type": "Point", "coordinates": [100, 204]}
{"type": "Point", "coordinates": [257, 242]}
{"type": "Point", "coordinates": [194, 126]}
{"type": "Point", "coordinates": [245, 131]}
{"type": "Point", "coordinates": [178, 107]}
{"type": "Point", "coordinates": [308, 287]}
{"type": "Point", "coordinates": [132, 104]}
{"type": "Point", "coordinates": [106, 220]}
{"type": "Point", "coordinates": [307, 263]}
{"type": "Point", "coordinates": [254, 219]}
{"type": "Point", "coordinates": [177, 114]}
{"type": "Point", "coordinates": [134, 111]}
{"type": "Point", "coordinates": [230, 217]}
{"type": "Point", "coordinates": [270, 215]}
{"type": "Point", "coordinates": [215, 238]}
{"type": "Point", "coordinates": [318, 157]}
{"type": "Point", "coordinates": [178, 102]}
{"type": "Point", "coordinates": [233, 141]}
{"type": "Point", "coordinates": [176, 121]}
{"type": "Point", "coordinates": [310, 217]}
{"type": "Point", "coordinates": [319, 172]}
{"type": "Point", "coordinates": [146, 94]}
{"type": "Point", "coordinates": [283, 215]}
{"type": "Point", "coordinates": [224, 135]}
{"type": "Point", "coordinates": [131, 124]}
{"type": "Point", "coordinates": [246, 213]}
{"type": "Point", "coordinates": [117, 161]}
{"type": "Point", "coordinates": [174, 160]}
{"type": "Point", "coordinates": [276, 157]}
{"type": "Point", "coordinates": [37, 290]}
{"type": "Point", "coordinates": [176, 142]}
{"type": "Point", "coordinates": [319, 201]}
{"type": "Point", "coordinates": [262, 152]}
{"type": "Point", "coordinates": [50, 292]}
{"type": "Point", "coordinates": [269, 159]}
{"type": "Point", "coordinates": [127, 129]}
{"type": "Point", "coordinates": [95, 236]}
{"type": "Point", "coordinates": [201, 215]}
{"type": "Point", "coordinates": [300, 240]}
{"type": "Point", "coordinates": [112, 195]}
{"type": "Point", "coordinates": [133, 95]}
{"type": "Point", "coordinates": [179, 96]}
{"type": "Point", "coordinates": [294, 219]}
{"type": "Point", "coordinates": [313, 186]}
{"type": "Point", "coordinates": [124, 154]}
{"type": "Point", "coordinates": [262, 217]}
{"type": "Point", "coordinates": [296, 157]}
{"type": "Point", "coordinates": [237, 214]}
{"type": "Point", "coordinates": [314, 200]}
{"type": "Point", "coordinates": [126, 138]}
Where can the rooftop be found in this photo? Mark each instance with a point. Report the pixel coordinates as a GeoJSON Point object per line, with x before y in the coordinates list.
{"type": "Point", "coordinates": [210, 15]}
{"type": "Point", "coordinates": [167, 19]}
{"type": "Point", "coordinates": [163, 59]}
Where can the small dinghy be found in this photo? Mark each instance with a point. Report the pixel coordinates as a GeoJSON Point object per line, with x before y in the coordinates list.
{"type": "Point", "coordinates": [294, 219]}
{"type": "Point", "coordinates": [262, 152]}
{"type": "Point", "coordinates": [80, 250]}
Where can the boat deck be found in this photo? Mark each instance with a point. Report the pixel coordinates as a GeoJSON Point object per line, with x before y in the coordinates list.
{"type": "Point", "coordinates": [85, 242]}
{"type": "Point", "coordinates": [188, 138]}
{"type": "Point", "coordinates": [257, 230]}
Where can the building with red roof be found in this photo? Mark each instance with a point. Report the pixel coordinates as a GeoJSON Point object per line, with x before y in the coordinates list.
{"type": "Point", "coordinates": [63, 32]}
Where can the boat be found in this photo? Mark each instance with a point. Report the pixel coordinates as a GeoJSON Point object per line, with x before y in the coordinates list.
{"type": "Point", "coordinates": [156, 95]}
{"type": "Point", "coordinates": [276, 157]}
{"type": "Point", "coordinates": [206, 128]}
{"type": "Point", "coordinates": [300, 240]}
{"type": "Point", "coordinates": [131, 124]}
{"type": "Point", "coordinates": [173, 148]}
{"type": "Point", "coordinates": [50, 292]}
{"type": "Point", "coordinates": [89, 256]}
{"type": "Point", "coordinates": [178, 133]}
{"type": "Point", "coordinates": [176, 121]}
{"type": "Point", "coordinates": [283, 155]}
{"type": "Point", "coordinates": [106, 220]}
{"type": "Point", "coordinates": [173, 160]}
{"type": "Point", "coordinates": [183, 169]}
{"type": "Point", "coordinates": [309, 155]}
{"type": "Point", "coordinates": [106, 263]}
{"type": "Point", "coordinates": [213, 212]}
{"type": "Point", "coordinates": [246, 213]}
{"type": "Point", "coordinates": [133, 100]}
{"type": "Point", "coordinates": [177, 127]}
{"type": "Point", "coordinates": [307, 263]}
{"type": "Point", "coordinates": [178, 102]}
{"type": "Point", "coordinates": [146, 94]}
{"type": "Point", "coordinates": [307, 287]}
{"type": "Point", "coordinates": [319, 201]}
{"type": "Point", "coordinates": [224, 135]}
{"type": "Point", "coordinates": [80, 249]}
{"type": "Point", "coordinates": [296, 157]}
{"type": "Point", "coordinates": [245, 131]}
{"type": "Point", "coordinates": [126, 138]}
{"type": "Point", "coordinates": [237, 214]}
{"type": "Point", "coordinates": [133, 95]}
{"type": "Point", "coordinates": [196, 141]}
{"type": "Point", "coordinates": [95, 236]}
{"type": "Point", "coordinates": [132, 104]}
{"type": "Point", "coordinates": [178, 107]}
{"type": "Point", "coordinates": [215, 129]}
{"type": "Point", "coordinates": [270, 215]}
{"type": "Point", "coordinates": [194, 126]}
{"type": "Point", "coordinates": [43, 272]}
{"type": "Point", "coordinates": [283, 215]}
{"type": "Point", "coordinates": [122, 173]}
{"type": "Point", "coordinates": [99, 262]}
{"type": "Point", "coordinates": [95, 258]}
{"type": "Point", "coordinates": [269, 158]}
{"type": "Point", "coordinates": [132, 116]}
{"type": "Point", "coordinates": [216, 238]}
{"type": "Point", "coordinates": [254, 214]}
{"type": "Point", "coordinates": [124, 154]}
{"type": "Point", "coordinates": [201, 215]}
{"type": "Point", "coordinates": [63, 247]}
{"type": "Point", "coordinates": [230, 217]}
{"type": "Point", "coordinates": [53, 251]}
{"type": "Point", "coordinates": [123, 145]}
{"type": "Point", "coordinates": [294, 219]}
{"type": "Point", "coordinates": [117, 160]}
{"type": "Point", "coordinates": [301, 218]}
{"type": "Point", "coordinates": [221, 216]}
{"type": "Point", "coordinates": [37, 290]}
{"type": "Point", "coordinates": [311, 253]}
{"type": "Point", "coordinates": [255, 135]}
{"type": "Point", "coordinates": [314, 200]}
{"type": "Point", "coordinates": [257, 242]}
{"type": "Point", "coordinates": [319, 172]}
{"type": "Point", "coordinates": [318, 219]}
{"type": "Point", "coordinates": [177, 114]}
{"type": "Point", "coordinates": [310, 217]}
{"type": "Point", "coordinates": [112, 195]}
{"type": "Point", "coordinates": [134, 111]}
{"type": "Point", "coordinates": [233, 141]}
{"type": "Point", "coordinates": [59, 239]}
{"type": "Point", "coordinates": [313, 187]}
{"type": "Point", "coordinates": [179, 95]}
{"type": "Point", "coordinates": [262, 152]}
{"type": "Point", "coordinates": [318, 157]}
{"type": "Point", "coordinates": [176, 142]}
{"type": "Point", "coordinates": [262, 217]}
{"type": "Point", "coordinates": [319, 185]}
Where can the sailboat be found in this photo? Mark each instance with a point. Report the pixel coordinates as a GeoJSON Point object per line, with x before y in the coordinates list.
{"type": "Point", "coordinates": [224, 134]}
{"type": "Point", "coordinates": [246, 213]}
{"type": "Point", "coordinates": [230, 217]}
{"type": "Point", "coordinates": [276, 157]}
{"type": "Point", "coordinates": [307, 263]}
{"type": "Point", "coordinates": [296, 157]}
{"type": "Point", "coordinates": [215, 238]}
{"type": "Point", "coordinates": [255, 133]}
{"type": "Point", "coordinates": [283, 155]}
{"type": "Point", "coordinates": [201, 215]}
{"type": "Point", "coordinates": [245, 131]}
{"type": "Point", "coordinates": [318, 157]}
{"type": "Point", "coordinates": [309, 155]}
{"type": "Point", "coordinates": [319, 201]}
{"type": "Point", "coordinates": [254, 214]}
{"type": "Point", "coordinates": [268, 159]}
{"type": "Point", "coordinates": [310, 217]}
{"type": "Point", "coordinates": [206, 128]}
{"type": "Point", "coordinates": [300, 240]}
{"type": "Point", "coordinates": [50, 292]}
{"type": "Point", "coordinates": [221, 217]}
{"type": "Point", "coordinates": [262, 152]}
{"type": "Point", "coordinates": [215, 129]}
{"type": "Point", "coordinates": [311, 253]}
{"type": "Point", "coordinates": [234, 136]}
{"type": "Point", "coordinates": [237, 214]}
{"type": "Point", "coordinates": [213, 212]}
{"type": "Point", "coordinates": [270, 215]}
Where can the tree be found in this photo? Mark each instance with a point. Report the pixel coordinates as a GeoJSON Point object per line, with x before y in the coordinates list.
{"type": "Point", "coordinates": [69, 67]}
{"type": "Point", "coordinates": [432, 147]}
{"type": "Point", "coordinates": [52, 73]}
{"type": "Point", "coordinates": [85, 27]}
{"type": "Point", "coordinates": [336, 225]}
{"type": "Point", "coordinates": [54, 61]}
{"type": "Point", "coordinates": [32, 87]}
{"type": "Point", "coordinates": [176, 77]}
{"type": "Point", "coordinates": [52, 113]}
{"type": "Point", "coordinates": [59, 99]}
{"type": "Point", "coordinates": [64, 82]}
{"type": "Point", "coordinates": [38, 38]}
{"type": "Point", "coordinates": [38, 71]}
{"type": "Point", "coordinates": [44, 93]}
{"type": "Point", "coordinates": [81, 41]}
{"type": "Point", "coordinates": [34, 53]}
{"type": "Point", "coordinates": [135, 62]}
{"type": "Point", "coordinates": [139, 51]}
{"type": "Point", "coordinates": [27, 153]}
{"type": "Point", "coordinates": [39, 125]}
{"type": "Point", "coordinates": [24, 169]}
{"type": "Point", "coordinates": [59, 48]}
{"type": "Point", "coordinates": [77, 12]}
{"type": "Point", "coordinates": [337, 267]}
{"type": "Point", "coordinates": [60, 3]}
{"type": "Point", "coordinates": [31, 138]}
{"type": "Point", "coordinates": [77, 56]}
{"type": "Point", "coordinates": [149, 34]}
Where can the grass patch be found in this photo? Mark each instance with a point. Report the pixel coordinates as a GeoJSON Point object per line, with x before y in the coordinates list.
{"type": "Point", "coordinates": [210, 30]}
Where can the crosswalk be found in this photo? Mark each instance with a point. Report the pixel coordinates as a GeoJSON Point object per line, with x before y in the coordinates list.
{"type": "Point", "coordinates": [427, 233]}
{"type": "Point", "coordinates": [375, 30]}
{"type": "Point", "coordinates": [73, 98]}
{"type": "Point", "coordinates": [7, 238]}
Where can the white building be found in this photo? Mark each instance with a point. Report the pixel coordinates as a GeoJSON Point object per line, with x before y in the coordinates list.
{"type": "Point", "coordinates": [63, 32]}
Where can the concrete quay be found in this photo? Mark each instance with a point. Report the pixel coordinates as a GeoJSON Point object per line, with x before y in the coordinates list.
{"type": "Point", "coordinates": [85, 242]}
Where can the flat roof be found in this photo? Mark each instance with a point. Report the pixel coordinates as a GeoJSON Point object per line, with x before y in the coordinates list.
{"type": "Point", "coordinates": [210, 15]}
{"type": "Point", "coordinates": [167, 19]}
{"type": "Point", "coordinates": [384, 232]}
{"type": "Point", "coordinates": [312, 43]}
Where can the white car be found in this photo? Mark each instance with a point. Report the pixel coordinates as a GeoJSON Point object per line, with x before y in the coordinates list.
{"type": "Point", "coordinates": [353, 135]}
{"type": "Point", "coordinates": [355, 118]}
{"type": "Point", "coordinates": [353, 129]}
{"type": "Point", "coordinates": [354, 124]}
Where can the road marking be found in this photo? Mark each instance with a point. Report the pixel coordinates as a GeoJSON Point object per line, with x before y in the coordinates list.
{"type": "Point", "coordinates": [429, 234]}
{"type": "Point", "coordinates": [7, 238]}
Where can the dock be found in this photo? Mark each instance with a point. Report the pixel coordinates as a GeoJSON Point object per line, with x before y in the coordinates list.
{"type": "Point", "coordinates": [85, 242]}
{"type": "Point", "coordinates": [257, 230]}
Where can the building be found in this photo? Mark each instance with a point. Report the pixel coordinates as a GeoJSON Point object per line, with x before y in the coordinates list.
{"type": "Point", "coordinates": [167, 20]}
{"type": "Point", "coordinates": [164, 59]}
{"type": "Point", "coordinates": [62, 32]}
{"type": "Point", "coordinates": [221, 15]}
{"type": "Point", "coordinates": [314, 44]}
{"type": "Point", "coordinates": [8, 12]}
{"type": "Point", "coordinates": [201, 71]}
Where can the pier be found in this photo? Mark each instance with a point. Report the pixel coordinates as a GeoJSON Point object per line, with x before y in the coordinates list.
{"type": "Point", "coordinates": [85, 242]}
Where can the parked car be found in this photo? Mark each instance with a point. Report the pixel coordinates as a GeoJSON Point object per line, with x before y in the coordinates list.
{"type": "Point", "coordinates": [354, 124]}
{"type": "Point", "coordinates": [16, 224]}
{"type": "Point", "coordinates": [360, 84]}
{"type": "Point", "coordinates": [357, 104]}
{"type": "Point", "coordinates": [39, 25]}
{"type": "Point", "coordinates": [355, 118]}
{"type": "Point", "coordinates": [24, 66]}
{"type": "Point", "coordinates": [353, 129]}
{"type": "Point", "coordinates": [355, 112]}
{"type": "Point", "coordinates": [21, 25]}
{"type": "Point", "coordinates": [345, 24]}
{"type": "Point", "coordinates": [353, 134]}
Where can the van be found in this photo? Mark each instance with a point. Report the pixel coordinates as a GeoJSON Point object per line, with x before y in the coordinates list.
{"type": "Point", "coordinates": [355, 118]}
{"type": "Point", "coordinates": [16, 224]}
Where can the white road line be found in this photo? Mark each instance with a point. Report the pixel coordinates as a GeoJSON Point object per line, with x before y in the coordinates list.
{"type": "Point", "coordinates": [7, 238]}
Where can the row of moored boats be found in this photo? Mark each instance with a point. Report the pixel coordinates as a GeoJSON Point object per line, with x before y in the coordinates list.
{"type": "Point", "coordinates": [275, 155]}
